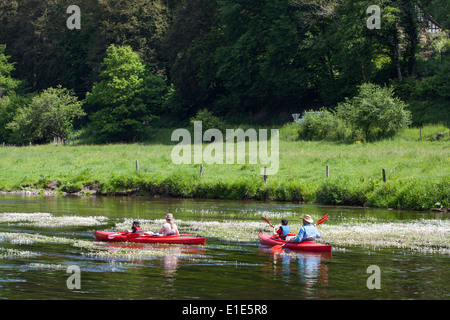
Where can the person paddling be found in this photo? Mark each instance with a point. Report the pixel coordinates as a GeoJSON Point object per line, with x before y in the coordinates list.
{"type": "Point", "coordinates": [169, 228]}
{"type": "Point", "coordinates": [283, 230]}
{"type": "Point", "coordinates": [307, 232]}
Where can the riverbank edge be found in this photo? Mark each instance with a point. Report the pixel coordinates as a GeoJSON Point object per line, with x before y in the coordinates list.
{"type": "Point", "coordinates": [410, 196]}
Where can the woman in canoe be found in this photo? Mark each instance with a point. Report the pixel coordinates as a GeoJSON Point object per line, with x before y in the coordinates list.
{"type": "Point", "coordinates": [307, 232]}
{"type": "Point", "coordinates": [283, 230]}
{"type": "Point", "coordinates": [169, 228]}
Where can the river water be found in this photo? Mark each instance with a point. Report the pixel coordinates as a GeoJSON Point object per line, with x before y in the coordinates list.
{"type": "Point", "coordinates": [223, 269]}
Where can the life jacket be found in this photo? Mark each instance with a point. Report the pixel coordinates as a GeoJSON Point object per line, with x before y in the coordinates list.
{"type": "Point", "coordinates": [286, 229]}
{"type": "Point", "coordinates": [136, 229]}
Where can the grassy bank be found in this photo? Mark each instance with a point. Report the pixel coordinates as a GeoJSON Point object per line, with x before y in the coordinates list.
{"type": "Point", "coordinates": [417, 172]}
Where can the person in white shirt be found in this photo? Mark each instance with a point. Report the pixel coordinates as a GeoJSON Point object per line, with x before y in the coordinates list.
{"type": "Point", "coordinates": [169, 228]}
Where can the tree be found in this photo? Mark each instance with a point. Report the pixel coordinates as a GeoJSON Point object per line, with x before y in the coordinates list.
{"type": "Point", "coordinates": [259, 63]}
{"type": "Point", "coordinates": [11, 98]}
{"type": "Point", "coordinates": [50, 114]}
{"type": "Point", "coordinates": [127, 97]}
{"type": "Point", "coordinates": [8, 84]}
{"type": "Point", "coordinates": [189, 48]}
{"type": "Point", "coordinates": [375, 112]}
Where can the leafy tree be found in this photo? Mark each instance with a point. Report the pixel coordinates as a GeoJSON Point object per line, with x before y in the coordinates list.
{"type": "Point", "coordinates": [259, 63]}
{"type": "Point", "coordinates": [189, 47]}
{"type": "Point", "coordinates": [50, 114]}
{"type": "Point", "coordinates": [8, 84]}
{"type": "Point", "coordinates": [375, 112]}
{"type": "Point", "coordinates": [127, 97]}
{"type": "Point", "coordinates": [11, 90]}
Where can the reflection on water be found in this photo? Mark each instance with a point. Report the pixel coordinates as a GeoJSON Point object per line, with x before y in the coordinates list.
{"type": "Point", "coordinates": [310, 268]}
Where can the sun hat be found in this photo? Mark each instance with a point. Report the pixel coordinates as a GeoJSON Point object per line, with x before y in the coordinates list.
{"type": "Point", "coordinates": [169, 216]}
{"type": "Point", "coordinates": [307, 218]}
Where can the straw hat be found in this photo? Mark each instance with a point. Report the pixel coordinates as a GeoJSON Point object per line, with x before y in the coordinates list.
{"type": "Point", "coordinates": [308, 218]}
{"type": "Point", "coordinates": [169, 216]}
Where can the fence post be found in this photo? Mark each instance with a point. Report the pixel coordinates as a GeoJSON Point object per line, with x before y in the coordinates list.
{"type": "Point", "coordinates": [265, 175]}
{"type": "Point", "coordinates": [328, 171]}
{"type": "Point", "coordinates": [137, 165]}
{"type": "Point", "coordinates": [201, 170]}
{"type": "Point", "coordinates": [420, 133]}
{"type": "Point", "coordinates": [384, 175]}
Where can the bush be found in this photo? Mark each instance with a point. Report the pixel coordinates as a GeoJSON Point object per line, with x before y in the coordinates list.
{"type": "Point", "coordinates": [375, 112]}
{"type": "Point", "coordinates": [322, 125]}
{"type": "Point", "coordinates": [49, 114]}
{"type": "Point", "coordinates": [209, 120]}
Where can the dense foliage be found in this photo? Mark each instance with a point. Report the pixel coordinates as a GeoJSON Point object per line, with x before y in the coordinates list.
{"type": "Point", "coordinates": [127, 96]}
{"type": "Point", "coordinates": [49, 115]}
{"type": "Point", "coordinates": [246, 62]}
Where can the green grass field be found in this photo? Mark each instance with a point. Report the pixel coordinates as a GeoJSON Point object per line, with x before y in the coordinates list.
{"type": "Point", "coordinates": [417, 171]}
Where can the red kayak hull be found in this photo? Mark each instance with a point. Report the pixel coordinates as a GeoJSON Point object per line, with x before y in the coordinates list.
{"type": "Point", "coordinates": [188, 239]}
{"type": "Point", "coordinates": [270, 240]}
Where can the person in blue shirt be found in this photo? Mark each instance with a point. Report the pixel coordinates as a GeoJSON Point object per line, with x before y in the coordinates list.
{"type": "Point", "coordinates": [283, 230]}
{"type": "Point", "coordinates": [308, 231]}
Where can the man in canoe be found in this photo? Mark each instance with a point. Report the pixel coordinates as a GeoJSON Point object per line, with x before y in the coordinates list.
{"type": "Point", "coordinates": [307, 232]}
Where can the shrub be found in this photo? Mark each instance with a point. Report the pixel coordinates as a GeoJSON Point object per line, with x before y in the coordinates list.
{"type": "Point", "coordinates": [49, 114]}
{"type": "Point", "coordinates": [321, 125]}
{"type": "Point", "coordinates": [375, 112]}
{"type": "Point", "coordinates": [209, 120]}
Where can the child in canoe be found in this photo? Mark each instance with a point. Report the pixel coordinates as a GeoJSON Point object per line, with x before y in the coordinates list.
{"type": "Point", "coordinates": [169, 228]}
{"type": "Point", "coordinates": [136, 227]}
{"type": "Point", "coordinates": [283, 230]}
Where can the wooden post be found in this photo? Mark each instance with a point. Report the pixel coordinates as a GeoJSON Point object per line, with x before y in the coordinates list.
{"type": "Point", "coordinates": [265, 175]}
{"type": "Point", "coordinates": [137, 165]}
{"type": "Point", "coordinates": [384, 175]}
{"type": "Point", "coordinates": [328, 171]}
{"type": "Point", "coordinates": [3, 144]}
{"type": "Point", "coordinates": [30, 143]}
{"type": "Point", "coordinates": [201, 170]}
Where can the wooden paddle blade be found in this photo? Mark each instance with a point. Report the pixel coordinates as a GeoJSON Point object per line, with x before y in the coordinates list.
{"type": "Point", "coordinates": [325, 217]}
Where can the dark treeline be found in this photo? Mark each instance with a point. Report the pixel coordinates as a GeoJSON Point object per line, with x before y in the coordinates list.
{"type": "Point", "coordinates": [246, 61]}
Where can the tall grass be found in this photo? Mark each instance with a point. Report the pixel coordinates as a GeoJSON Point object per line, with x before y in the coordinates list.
{"type": "Point", "coordinates": [417, 171]}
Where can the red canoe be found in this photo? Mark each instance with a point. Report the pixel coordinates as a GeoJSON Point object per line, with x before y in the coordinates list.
{"type": "Point", "coordinates": [138, 238]}
{"type": "Point", "coordinates": [270, 240]}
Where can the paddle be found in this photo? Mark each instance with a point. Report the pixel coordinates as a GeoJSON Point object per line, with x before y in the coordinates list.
{"type": "Point", "coordinates": [266, 220]}
{"type": "Point", "coordinates": [279, 247]}
{"type": "Point", "coordinates": [321, 220]}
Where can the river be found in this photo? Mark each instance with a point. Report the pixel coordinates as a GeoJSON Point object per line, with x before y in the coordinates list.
{"type": "Point", "coordinates": [223, 269]}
